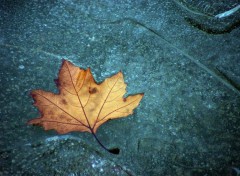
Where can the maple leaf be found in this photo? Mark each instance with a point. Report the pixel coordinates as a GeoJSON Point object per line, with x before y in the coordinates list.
{"type": "Point", "coordinates": [82, 104]}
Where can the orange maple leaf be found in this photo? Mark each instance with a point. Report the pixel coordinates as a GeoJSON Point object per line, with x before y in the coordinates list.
{"type": "Point", "coordinates": [82, 104]}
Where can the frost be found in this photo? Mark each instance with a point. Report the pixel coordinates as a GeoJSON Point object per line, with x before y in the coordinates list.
{"type": "Point", "coordinates": [98, 163]}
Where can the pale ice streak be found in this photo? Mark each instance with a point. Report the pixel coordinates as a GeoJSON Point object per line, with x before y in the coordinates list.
{"type": "Point", "coordinates": [228, 13]}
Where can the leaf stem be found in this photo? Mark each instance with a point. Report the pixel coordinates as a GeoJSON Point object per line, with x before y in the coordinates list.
{"type": "Point", "coordinates": [112, 150]}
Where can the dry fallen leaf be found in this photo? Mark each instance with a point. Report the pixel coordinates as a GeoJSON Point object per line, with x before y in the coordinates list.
{"type": "Point", "coordinates": [82, 104]}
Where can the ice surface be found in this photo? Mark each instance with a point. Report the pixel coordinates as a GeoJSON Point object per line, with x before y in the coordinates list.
{"type": "Point", "coordinates": [188, 121]}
